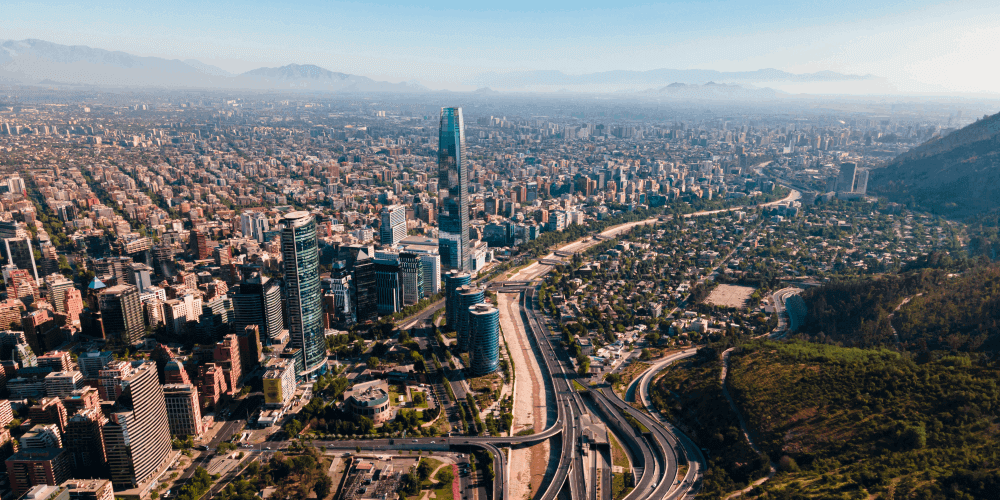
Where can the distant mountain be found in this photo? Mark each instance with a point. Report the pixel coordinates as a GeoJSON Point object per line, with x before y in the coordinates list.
{"type": "Point", "coordinates": [38, 61]}
{"type": "Point", "coordinates": [957, 175]}
{"type": "Point", "coordinates": [645, 79]}
{"type": "Point", "coordinates": [713, 91]}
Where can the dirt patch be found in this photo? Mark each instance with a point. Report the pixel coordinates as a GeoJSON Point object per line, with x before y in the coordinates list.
{"type": "Point", "coordinates": [730, 296]}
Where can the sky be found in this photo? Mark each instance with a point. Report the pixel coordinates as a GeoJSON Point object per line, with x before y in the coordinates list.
{"type": "Point", "coordinates": [918, 46]}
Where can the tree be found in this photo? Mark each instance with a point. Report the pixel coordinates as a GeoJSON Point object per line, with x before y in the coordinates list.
{"type": "Point", "coordinates": [424, 470]}
{"type": "Point", "coordinates": [446, 476]}
{"type": "Point", "coordinates": [323, 486]}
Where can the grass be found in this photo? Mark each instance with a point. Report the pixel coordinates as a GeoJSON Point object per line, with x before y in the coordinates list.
{"type": "Point", "coordinates": [618, 488]}
{"type": "Point", "coordinates": [618, 456]}
{"type": "Point", "coordinates": [579, 387]}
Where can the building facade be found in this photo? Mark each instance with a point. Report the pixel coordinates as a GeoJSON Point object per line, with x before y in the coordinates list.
{"type": "Point", "coordinates": [484, 352]}
{"type": "Point", "coordinates": [453, 184]}
{"type": "Point", "coordinates": [300, 251]}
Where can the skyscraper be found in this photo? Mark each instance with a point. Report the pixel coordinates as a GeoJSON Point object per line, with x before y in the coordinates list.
{"type": "Point", "coordinates": [393, 227]}
{"type": "Point", "coordinates": [137, 438]}
{"type": "Point", "coordinates": [364, 290]}
{"type": "Point", "coordinates": [468, 296]}
{"type": "Point", "coordinates": [484, 352]}
{"type": "Point", "coordinates": [453, 184]}
{"type": "Point", "coordinates": [387, 289]}
{"type": "Point", "coordinates": [300, 251]}
{"type": "Point", "coordinates": [861, 185]}
{"type": "Point", "coordinates": [19, 252]}
{"type": "Point", "coordinates": [257, 301]}
{"type": "Point", "coordinates": [845, 182]}
{"type": "Point", "coordinates": [121, 313]}
{"type": "Point", "coordinates": [411, 278]}
{"type": "Point", "coordinates": [452, 281]}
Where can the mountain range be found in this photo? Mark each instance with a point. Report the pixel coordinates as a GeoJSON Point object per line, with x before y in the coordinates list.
{"type": "Point", "coordinates": [637, 80]}
{"type": "Point", "coordinates": [41, 62]}
{"type": "Point", "coordinates": [956, 175]}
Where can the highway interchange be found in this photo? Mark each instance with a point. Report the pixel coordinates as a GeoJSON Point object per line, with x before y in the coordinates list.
{"type": "Point", "coordinates": [655, 455]}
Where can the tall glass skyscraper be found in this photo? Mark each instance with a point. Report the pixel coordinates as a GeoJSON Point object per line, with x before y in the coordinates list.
{"type": "Point", "coordinates": [453, 183]}
{"type": "Point", "coordinates": [300, 252]}
{"type": "Point", "coordinates": [468, 296]}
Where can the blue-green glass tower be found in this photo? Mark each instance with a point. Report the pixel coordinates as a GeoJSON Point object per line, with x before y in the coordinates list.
{"type": "Point", "coordinates": [453, 184]}
{"type": "Point", "coordinates": [300, 252]}
{"type": "Point", "coordinates": [484, 352]}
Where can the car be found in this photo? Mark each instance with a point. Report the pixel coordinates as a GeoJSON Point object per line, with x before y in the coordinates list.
{"type": "Point", "coordinates": [433, 442]}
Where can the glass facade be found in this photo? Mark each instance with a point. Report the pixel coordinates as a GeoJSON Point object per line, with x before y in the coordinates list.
{"type": "Point", "coordinates": [468, 296]}
{"type": "Point", "coordinates": [302, 284]}
{"type": "Point", "coordinates": [452, 281]}
{"type": "Point", "coordinates": [484, 352]}
{"type": "Point", "coordinates": [453, 182]}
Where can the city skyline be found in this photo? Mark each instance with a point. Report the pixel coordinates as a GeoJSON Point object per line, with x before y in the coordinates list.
{"type": "Point", "coordinates": [911, 48]}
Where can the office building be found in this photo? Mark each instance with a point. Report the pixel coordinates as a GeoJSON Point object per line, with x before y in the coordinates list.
{"type": "Point", "coordinates": [56, 361]}
{"type": "Point", "coordinates": [453, 184]}
{"type": "Point", "coordinates": [393, 227]}
{"type": "Point", "coordinates": [137, 436]}
{"type": "Point", "coordinates": [484, 351]}
{"type": "Point", "coordinates": [387, 290]}
{"type": "Point", "coordinates": [19, 252]}
{"type": "Point", "coordinates": [46, 492]}
{"type": "Point", "coordinates": [845, 182]}
{"type": "Point", "coordinates": [250, 347]}
{"type": "Point", "coordinates": [305, 303]}
{"type": "Point", "coordinates": [468, 296]}
{"type": "Point", "coordinates": [121, 313]}
{"type": "Point", "coordinates": [452, 282]}
{"type": "Point", "coordinates": [85, 443]}
{"type": "Point", "coordinates": [257, 301]}
{"type": "Point", "coordinates": [183, 410]}
{"type": "Point", "coordinates": [370, 400]}
{"type": "Point", "coordinates": [861, 184]}
{"type": "Point", "coordinates": [138, 274]}
{"type": "Point", "coordinates": [411, 278]}
{"type": "Point", "coordinates": [364, 290]}
{"type": "Point", "coordinates": [73, 305]}
{"type": "Point", "coordinates": [198, 245]}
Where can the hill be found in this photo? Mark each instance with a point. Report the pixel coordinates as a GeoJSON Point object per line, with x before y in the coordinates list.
{"type": "Point", "coordinates": [845, 422]}
{"type": "Point", "coordinates": [919, 311]}
{"type": "Point", "coordinates": [40, 62]}
{"type": "Point", "coordinates": [957, 175]}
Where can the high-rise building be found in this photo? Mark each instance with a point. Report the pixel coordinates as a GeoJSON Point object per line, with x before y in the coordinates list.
{"type": "Point", "coordinates": [62, 384]}
{"type": "Point", "coordinates": [91, 363]}
{"type": "Point", "coordinates": [57, 286]}
{"type": "Point", "coordinates": [138, 274]}
{"type": "Point", "coordinates": [57, 361]}
{"type": "Point", "coordinates": [42, 436]}
{"type": "Point", "coordinates": [468, 296]}
{"type": "Point", "coordinates": [227, 355]}
{"type": "Point", "coordinates": [250, 347]}
{"type": "Point", "coordinates": [861, 184]}
{"type": "Point", "coordinates": [137, 437]}
{"type": "Point", "coordinates": [279, 383]}
{"type": "Point", "coordinates": [363, 291]}
{"type": "Point", "coordinates": [431, 263]}
{"type": "Point", "coordinates": [254, 225]}
{"type": "Point", "coordinates": [49, 410]}
{"type": "Point", "coordinates": [845, 182]}
{"type": "Point", "coordinates": [393, 227]}
{"type": "Point", "coordinates": [300, 251]}
{"type": "Point", "coordinates": [257, 301]}
{"type": "Point", "coordinates": [19, 252]}
{"type": "Point", "coordinates": [411, 278]}
{"type": "Point", "coordinates": [28, 468]}
{"type": "Point", "coordinates": [121, 313]}
{"type": "Point", "coordinates": [85, 442]}
{"type": "Point", "coordinates": [484, 352]}
{"type": "Point", "coordinates": [387, 289]}
{"type": "Point", "coordinates": [89, 489]}
{"type": "Point", "coordinates": [452, 282]}
{"type": "Point", "coordinates": [183, 410]}
{"type": "Point", "coordinates": [73, 304]}
{"type": "Point", "coordinates": [198, 243]}
{"type": "Point", "coordinates": [453, 183]}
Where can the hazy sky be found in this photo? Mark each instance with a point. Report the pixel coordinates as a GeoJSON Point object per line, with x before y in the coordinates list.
{"type": "Point", "coordinates": [915, 46]}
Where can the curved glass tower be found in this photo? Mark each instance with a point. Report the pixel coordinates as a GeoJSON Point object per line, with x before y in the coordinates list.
{"type": "Point", "coordinates": [452, 281]}
{"type": "Point", "coordinates": [300, 252]}
{"type": "Point", "coordinates": [468, 296]}
{"type": "Point", "coordinates": [453, 184]}
{"type": "Point", "coordinates": [484, 352]}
